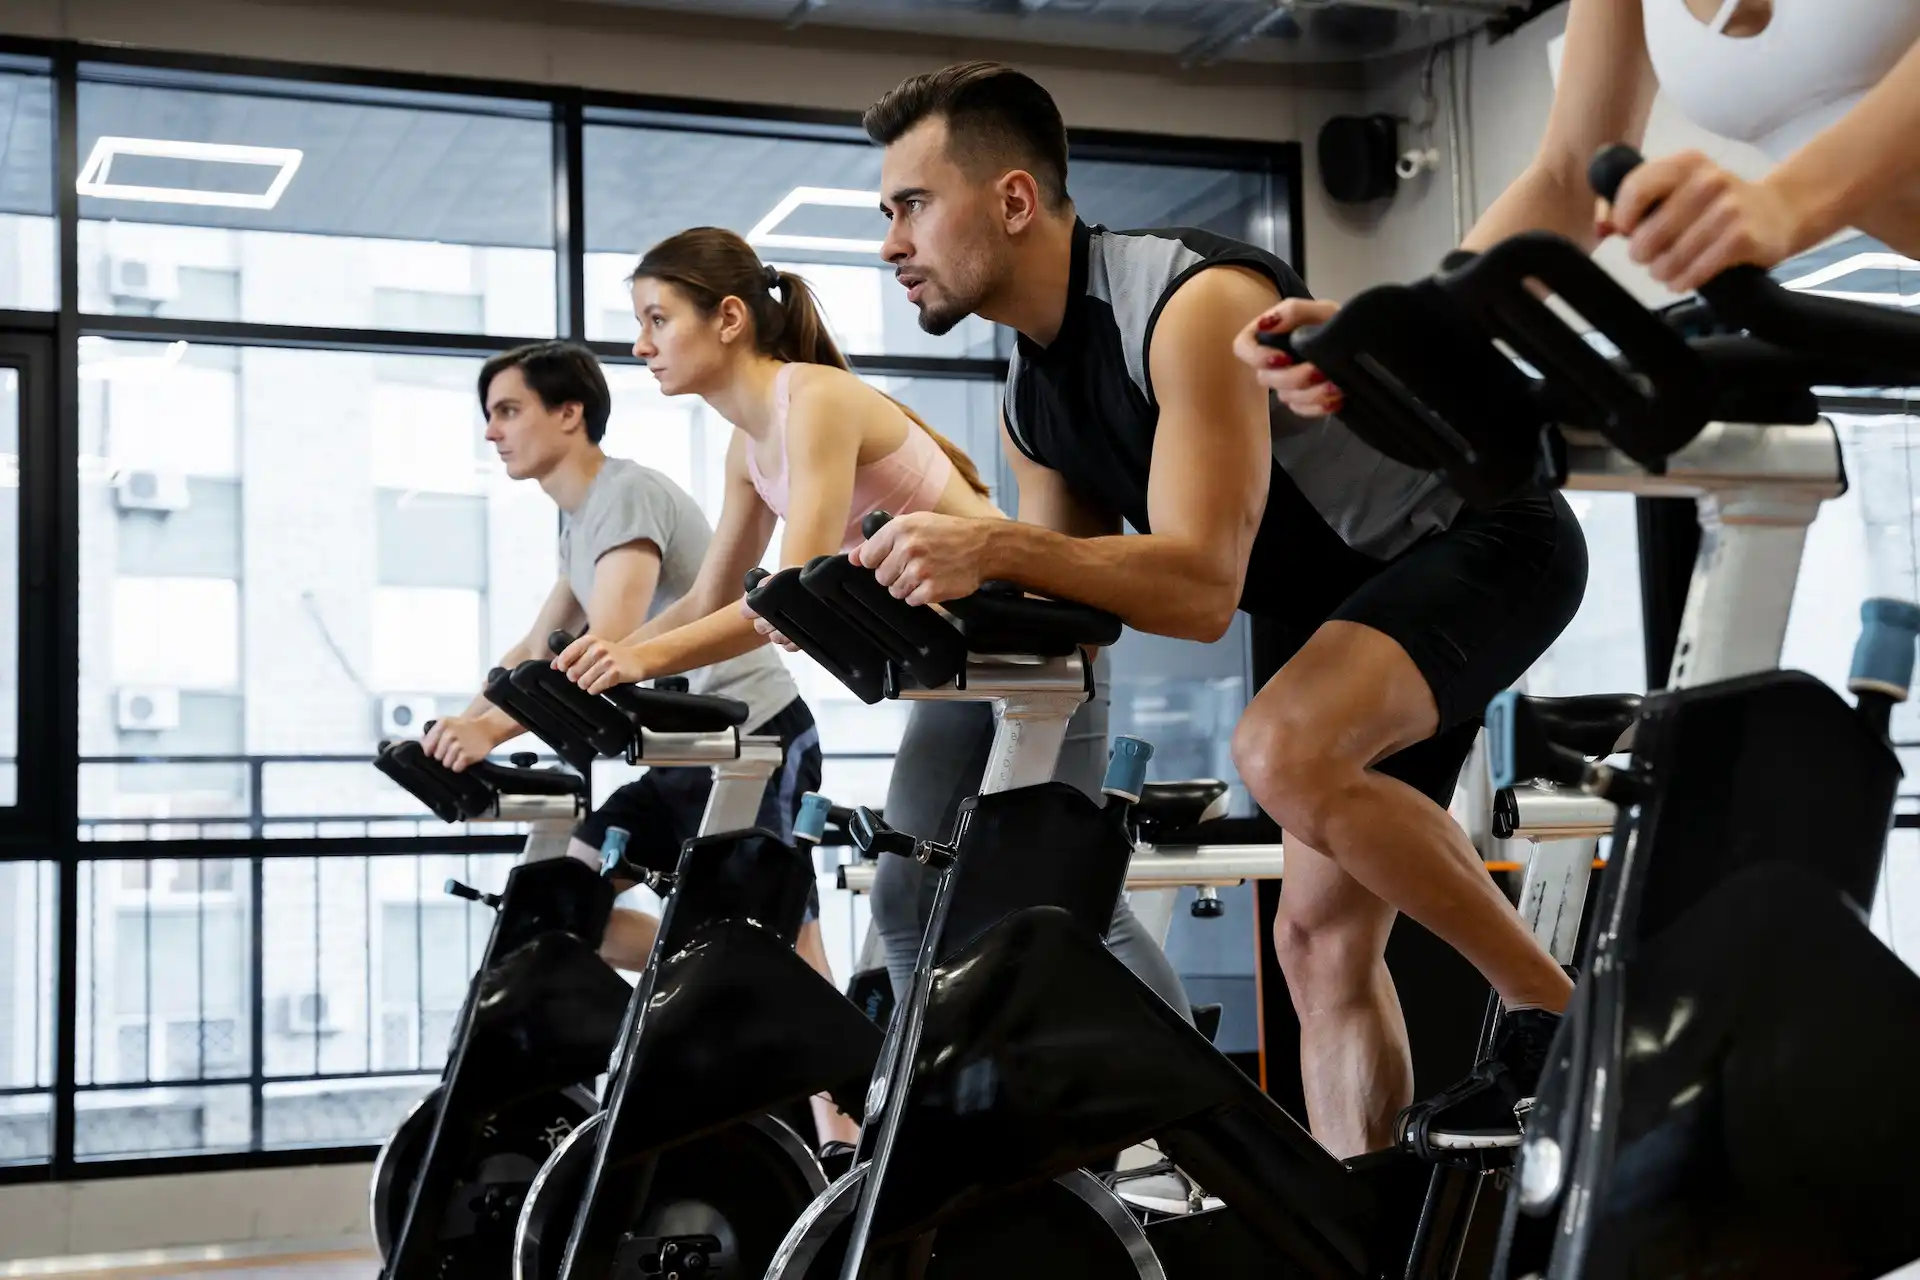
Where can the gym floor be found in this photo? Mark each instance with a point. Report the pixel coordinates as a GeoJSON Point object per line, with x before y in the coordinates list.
{"type": "Point", "coordinates": [304, 1266]}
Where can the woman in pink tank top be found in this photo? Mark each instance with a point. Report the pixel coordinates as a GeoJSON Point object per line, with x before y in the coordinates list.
{"type": "Point", "coordinates": [812, 444]}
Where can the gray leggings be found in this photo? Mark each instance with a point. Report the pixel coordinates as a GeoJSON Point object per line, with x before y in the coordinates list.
{"type": "Point", "coordinates": [942, 757]}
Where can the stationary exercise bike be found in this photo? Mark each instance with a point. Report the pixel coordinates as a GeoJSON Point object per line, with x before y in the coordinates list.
{"type": "Point", "coordinates": [543, 1012]}
{"type": "Point", "coordinates": [1025, 1051]}
{"type": "Point", "coordinates": [688, 1169]}
{"type": "Point", "coordinates": [538, 1022]}
{"type": "Point", "coordinates": [1731, 975]}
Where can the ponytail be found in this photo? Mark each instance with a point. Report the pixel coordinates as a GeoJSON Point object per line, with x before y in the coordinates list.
{"type": "Point", "coordinates": [711, 263]}
{"type": "Point", "coordinates": [802, 336]}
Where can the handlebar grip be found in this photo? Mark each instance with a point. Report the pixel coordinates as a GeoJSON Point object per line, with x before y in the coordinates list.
{"type": "Point", "coordinates": [1610, 167]}
{"type": "Point", "coordinates": [811, 823]}
{"type": "Point", "coordinates": [1883, 658]}
{"type": "Point", "coordinates": [756, 576]}
{"type": "Point", "coordinates": [558, 641]}
{"type": "Point", "coordinates": [1127, 768]}
{"type": "Point", "coordinates": [873, 522]}
{"type": "Point", "coordinates": [1282, 342]}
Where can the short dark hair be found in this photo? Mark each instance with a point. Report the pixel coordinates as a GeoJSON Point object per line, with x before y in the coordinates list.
{"type": "Point", "coordinates": [560, 373]}
{"type": "Point", "coordinates": [994, 115]}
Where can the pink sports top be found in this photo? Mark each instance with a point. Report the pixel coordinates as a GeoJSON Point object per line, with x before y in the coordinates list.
{"type": "Point", "coordinates": [911, 478]}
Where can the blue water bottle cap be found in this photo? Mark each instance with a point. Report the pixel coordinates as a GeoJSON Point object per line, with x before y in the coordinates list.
{"type": "Point", "coordinates": [1883, 658]}
{"type": "Point", "coordinates": [1127, 767]}
{"type": "Point", "coordinates": [1500, 763]}
{"type": "Point", "coordinates": [811, 824]}
{"type": "Point", "coordinates": [613, 848]}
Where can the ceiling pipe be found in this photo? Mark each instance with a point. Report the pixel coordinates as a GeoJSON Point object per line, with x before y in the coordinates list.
{"type": "Point", "coordinates": [1211, 48]}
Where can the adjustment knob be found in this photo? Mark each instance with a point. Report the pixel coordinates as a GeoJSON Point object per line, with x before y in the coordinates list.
{"type": "Point", "coordinates": [1207, 904]}
{"type": "Point", "coordinates": [523, 759]}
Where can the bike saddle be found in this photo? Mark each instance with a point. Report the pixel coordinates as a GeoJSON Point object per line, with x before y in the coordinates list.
{"type": "Point", "coordinates": [1173, 805]}
{"type": "Point", "coordinates": [1591, 724]}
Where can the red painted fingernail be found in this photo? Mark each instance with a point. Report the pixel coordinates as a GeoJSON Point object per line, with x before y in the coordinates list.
{"type": "Point", "coordinates": [1279, 361]}
{"type": "Point", "coordinates": [1269, 321]}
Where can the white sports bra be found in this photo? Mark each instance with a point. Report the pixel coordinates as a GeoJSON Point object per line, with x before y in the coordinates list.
{"type": "Point", "coordinates": [1781, 86]}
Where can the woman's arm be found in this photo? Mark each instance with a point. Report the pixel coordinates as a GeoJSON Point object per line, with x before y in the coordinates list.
{"type": "Point", "coordinates": [739, 542]}
{"type": "Point", "coordinates": [1688, 219]}
{"type": "Point", "coordinates": [1604, 95]}
{"type": "Point", "coordinates": [1859, 163]}
{"type": "Point", "coordinates": [826, 422]}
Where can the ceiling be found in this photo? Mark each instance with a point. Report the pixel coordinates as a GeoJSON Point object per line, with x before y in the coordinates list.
{"type": "Point", "coordinates": [460, 177]}
{"type": "Point", "coordinates": [1191, 31]}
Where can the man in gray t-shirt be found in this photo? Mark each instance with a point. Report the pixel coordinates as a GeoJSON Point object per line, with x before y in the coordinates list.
{"type": "Point", "coordinates": [626, 505]}
{"type": "Point", "coordinates": [631, 543]}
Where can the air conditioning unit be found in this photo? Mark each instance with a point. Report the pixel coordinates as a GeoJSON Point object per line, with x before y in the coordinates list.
{"type": "Point", "coordinates": [147, 708]}
{"type": "Point", "coordinates": [142, 281]}
{"type": "Point", "coordinates": [306, 1013]}
{"type": "Point", "coordinates": [405, 715]}
{"type": "Point", "coordinates": [150, 491]}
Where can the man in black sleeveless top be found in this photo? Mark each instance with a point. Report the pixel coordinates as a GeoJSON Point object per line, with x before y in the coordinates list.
{"type": "Point", "coordinates": [1124, 403]}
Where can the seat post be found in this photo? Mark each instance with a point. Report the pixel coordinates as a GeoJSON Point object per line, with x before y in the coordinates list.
{"type": "Point", "coordinates": [1033, 701]}
{"type": "Point", "coordinates": [741, 768]}
{"type": "Point", "coordinates": [1758, 488]}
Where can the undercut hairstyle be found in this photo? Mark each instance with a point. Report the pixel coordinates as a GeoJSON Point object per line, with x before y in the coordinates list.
{"type": "Point", "coordinates": [560, 373]}
{"type": "Point", "coordinates": [997, 118]}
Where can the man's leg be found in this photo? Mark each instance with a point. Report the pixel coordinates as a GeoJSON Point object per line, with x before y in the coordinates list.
{"type": "Point", "coordinates": [1330, 935]}
{"type": "Point", "coordinates": [1350, 698]}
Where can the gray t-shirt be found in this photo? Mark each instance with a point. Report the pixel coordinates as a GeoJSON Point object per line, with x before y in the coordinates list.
{"type": "Point", "coordinates": [631, 503]}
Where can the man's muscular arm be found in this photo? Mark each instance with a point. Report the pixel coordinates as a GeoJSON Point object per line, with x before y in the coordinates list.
{"type": "Point", "coordinates": [1212, 458]}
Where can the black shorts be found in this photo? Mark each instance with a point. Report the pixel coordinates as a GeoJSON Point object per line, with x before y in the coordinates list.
{"type": "Point", "coordinates": [1474, 606]}
{"type": "Point", "coordinates": [662, 808]}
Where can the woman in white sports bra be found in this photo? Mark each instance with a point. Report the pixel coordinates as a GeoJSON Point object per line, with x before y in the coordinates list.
{"type": "Point", "coordinates": [1830, 89]}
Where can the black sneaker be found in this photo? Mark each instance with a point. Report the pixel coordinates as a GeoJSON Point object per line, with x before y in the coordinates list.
{"type": "Point", "coordinates": [1479, 1119]}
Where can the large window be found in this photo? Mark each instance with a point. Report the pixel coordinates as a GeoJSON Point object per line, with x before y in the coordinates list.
{"type": "Point", "coordinates": [234, 199]}
{"type": "Point", "coordinates": [29, 261]}
{"type": "Point", "coordinates": [1863, 545]}
{"type": "Point", "coordinates": [291, 541]}
{"type": "Point", "coordinates": [284, 552]}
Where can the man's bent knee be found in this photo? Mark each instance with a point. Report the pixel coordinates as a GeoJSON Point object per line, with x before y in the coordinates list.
{"type": "Point", "coordinates": [1294, 773]}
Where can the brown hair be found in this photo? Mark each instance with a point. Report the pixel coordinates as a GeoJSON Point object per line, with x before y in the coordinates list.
{"type": "Point", "coordinates": [995, 116]}
{"type": "Point", "coordinates": [560, 373]}
{"type": "Point", "coordinates": [711, 263]}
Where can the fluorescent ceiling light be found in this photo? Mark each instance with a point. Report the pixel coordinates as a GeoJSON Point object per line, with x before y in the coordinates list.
{"type": "Point", "coordinates": [96, 178]}
{"type": "Point", "coordinates": [764, 235]}
{"type": "Point", "coordinates": [1810, 282]}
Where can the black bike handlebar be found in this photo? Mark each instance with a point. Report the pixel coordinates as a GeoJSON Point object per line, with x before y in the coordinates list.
{"type": "Point", "coordinates": [1883, 342]}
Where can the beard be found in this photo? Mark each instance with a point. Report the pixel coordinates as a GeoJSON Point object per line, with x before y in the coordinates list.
{"type": "Point", "coordinates": [944, 305]}
{"type": "Point", "coordinates": [941, 318]}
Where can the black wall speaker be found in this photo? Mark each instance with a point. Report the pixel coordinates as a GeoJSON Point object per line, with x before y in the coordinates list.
{"type": "Point", "coordinates": [1357, 155]}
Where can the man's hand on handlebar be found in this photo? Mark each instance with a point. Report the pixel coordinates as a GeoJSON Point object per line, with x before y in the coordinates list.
{"type": "Point", "coordinates": [459, 741]}
{"type": "Point", "coordinates": [1303, 389]}
{"type": "Point", "coordinates": [1688, 219]}
{"type": "Point", "coordinates": [926, 558]}
{"type": "Point", "coordinates": [597, 665]}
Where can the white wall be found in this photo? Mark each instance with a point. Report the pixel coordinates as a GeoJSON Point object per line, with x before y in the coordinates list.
{"type": "Point", "coordinates": [1510, 92]}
